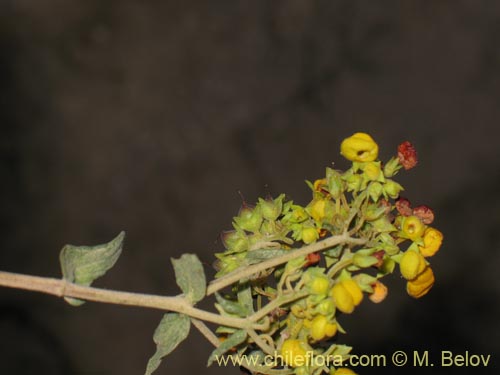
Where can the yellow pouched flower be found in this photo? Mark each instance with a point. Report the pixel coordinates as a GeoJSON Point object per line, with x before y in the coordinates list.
{"type": "Point", "coordinates": [355, 291]}
{"type": "Point", "coordinates": [411, 264]}
{"type": "Point", "coordinates": [343, 371]}
{"type": "Point", "coordinates": [412, 227]}
{"type": "Point", "coordinates": [421, 285]}
{"type": "Point", "coordinates": [346, 295]}
{"type": "Point", "coordinates": [294, 352]}
{"type": "Point", "coordinates": [432, 242]}
{"type": "Point", "coordinates": [359, 147]}
{"type": "Point", "coordinates": [317, 209]}
{"type": "Point", "coordinates": [321, 328]}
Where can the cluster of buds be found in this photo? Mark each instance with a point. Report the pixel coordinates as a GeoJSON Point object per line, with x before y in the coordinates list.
{"type": "Point", "coordinates": [363, 203]}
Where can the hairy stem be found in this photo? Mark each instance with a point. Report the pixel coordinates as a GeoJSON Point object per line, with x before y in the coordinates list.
{"type": "Point", "coordinates": [205, 331]}
{"type": "Point", "coordinates": [241, 274]}
{"type": "Point", "coordinates": [62, 288]}
{"type": "Point", "coordinates": [281, 300]}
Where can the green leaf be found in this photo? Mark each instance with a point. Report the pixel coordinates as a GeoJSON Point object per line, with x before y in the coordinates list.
{"type": "Point", "coordinates": [341, 351]}
{"type": "Point", "coordinates": [235, 339]}
{"type": "Point", "coordinates": [232, 307]}
{"type": "Point", "coordinates": [190, 277]}
{"type": "Point", "coordinates": [364, 261]}
{"type": "Point", "coordinates": [256, 256]}
{"type": "Point", "coordinates": [171, 331]}
{"type": "Point", "coordinates": [83, 264]}
{"type": "Point", "coordinates": [245, 297]}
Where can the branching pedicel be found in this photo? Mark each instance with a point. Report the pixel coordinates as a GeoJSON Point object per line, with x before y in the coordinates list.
{"type": "Point", "coordinates": [288, 272]}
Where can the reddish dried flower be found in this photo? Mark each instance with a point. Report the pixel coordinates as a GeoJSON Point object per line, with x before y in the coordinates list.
{"type": "Point", "coordinates": [407, 155]}
{"type": "Point", "coordinates": [386, 204]}
{"type": "Point", "coordinates": [424, 213]}
{"type": "Point", "coordinates": [403, 206]}
{"type": "Point", "coordinates": [380, 256]}
{"type": "Point", "coordinates": [312, 258]}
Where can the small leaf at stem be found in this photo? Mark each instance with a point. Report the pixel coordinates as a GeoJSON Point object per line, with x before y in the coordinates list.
{"type": "Point", "coordinates": [171, 331]}
{"type": "Point", "coordinates": [245, 296]}
{"type": "Point", "coordinates": [232, 307]}
{"type": "Point", "coordinates": [190, 277]}
{"type": "Point", "coordinates": [235, 339]}
{"type": "Point", "coordinates": [83, 264]}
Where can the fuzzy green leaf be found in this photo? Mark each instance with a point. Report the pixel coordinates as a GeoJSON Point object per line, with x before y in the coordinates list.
{"type": "Point", "coordinates": [172, 330]}
{"type": "Point", "coordinates": [83, 264]}
{"type": "Point", "coordinates": [364, 261]}
{"type": "Point", "coordinates": [245, 297]}
{"type": "Point", "coordinates": [232, 307]}
{"type": "Point", "coordinates": [235, 339]}
{"type": "Point", "coordinates": [190, 277]}
{"type": "Point", "coordinates": [256, 256]}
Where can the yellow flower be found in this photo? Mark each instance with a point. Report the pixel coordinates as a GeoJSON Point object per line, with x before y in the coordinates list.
{"type": "Point", "coordinates": [412, 227]}
{"type": "Point", "coordinates": [411, 264]}
{"type": "Point", "coordinates": [379, 292]}
{"type": "Point", "coordinates": [321, 328]}
{"type": "Point", "coordinates": [421, 285]}
{"type": "Point", "coordinates": [359, 147]}
{"type": "Point", "coordinates": [346, 295]}
{"type": "Point", "coordinates": [432, 242]}
{"type": "Point", "coordinates": [294, 352]}
{"type": "Point", "coordinates": [343, 371]}
{"type": "Point", "coordinates": [317, 209]}
{"type": "Point", "coordinates": [353, 288]}
{"type": "Point", "coordinates": [318, 184]}
{"type": "Point", "coordinates": [309, 235]}
{"type": "Point", "coordinates": [342, 298]}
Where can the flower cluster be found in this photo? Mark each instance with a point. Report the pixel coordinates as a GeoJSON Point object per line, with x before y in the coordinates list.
{"type": "Point", "coordinates": [352, 233]}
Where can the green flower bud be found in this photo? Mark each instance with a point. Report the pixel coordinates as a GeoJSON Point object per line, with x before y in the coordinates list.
{"type": "Point", "coordinates": [392, 188]}
{"type": "Point", "coordinates": [319, 285]}
{"type": "Point", "coordinates": [235, 241]}
{"type": "Point", "coordinates": [334, 183]}
{"type": "Point", "coordinates": [297, 214]}
{"type": "Point", "coordinates": [375, 190]}
{"type": "Point", "coordinates": [392, 167]}
{"type": "Point", "coordinates": [374, 211]}
{"type": "Point", "coordinates": [354, 182]}
{"type": "Point", "coordinates": [249, 219]}
{"type": "Point", "coordinates": [325, 307]}
{"type": "Point", "coordinates": [271, 209]}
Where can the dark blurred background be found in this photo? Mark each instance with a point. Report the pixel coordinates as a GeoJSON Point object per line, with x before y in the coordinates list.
{"type": "Point", "coordinates": [150, 116]}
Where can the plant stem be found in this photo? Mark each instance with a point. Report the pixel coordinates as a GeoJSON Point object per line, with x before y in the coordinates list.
{"type": "Point", "coordinates": [205, 331]}
{"type": "Point", "coordinates": [277, 302]}
{"type": "Point", "coordinates": [338, 266]}
{"type": "Point", "coordinates": [62, 288]}
{"type": "Point", "coordinates": [240, 274]}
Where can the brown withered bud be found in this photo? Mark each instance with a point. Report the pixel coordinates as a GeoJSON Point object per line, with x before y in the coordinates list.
{"type": "Point", "coordinates": [380, 256]}
{"type": "Point", "coordinates": [385, 203]}
{"type": "Point", "coordinates": [403, 206]}
{"type": "Point", "coordinates": [312, 258]}
{"type": "Point", "coordinates": [276, 314]}
{"type": "Point", "coordinates": [407, 155]}
{"type": "Point", "coordinates": [424, 213]}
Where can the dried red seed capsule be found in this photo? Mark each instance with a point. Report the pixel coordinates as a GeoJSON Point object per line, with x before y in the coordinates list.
{"type": "Point", "coordinates": [424, 213]}
{"type": "Point", "coordinates": [407, 155]}
{"type": "Point", "coordinates": [403, 206]}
